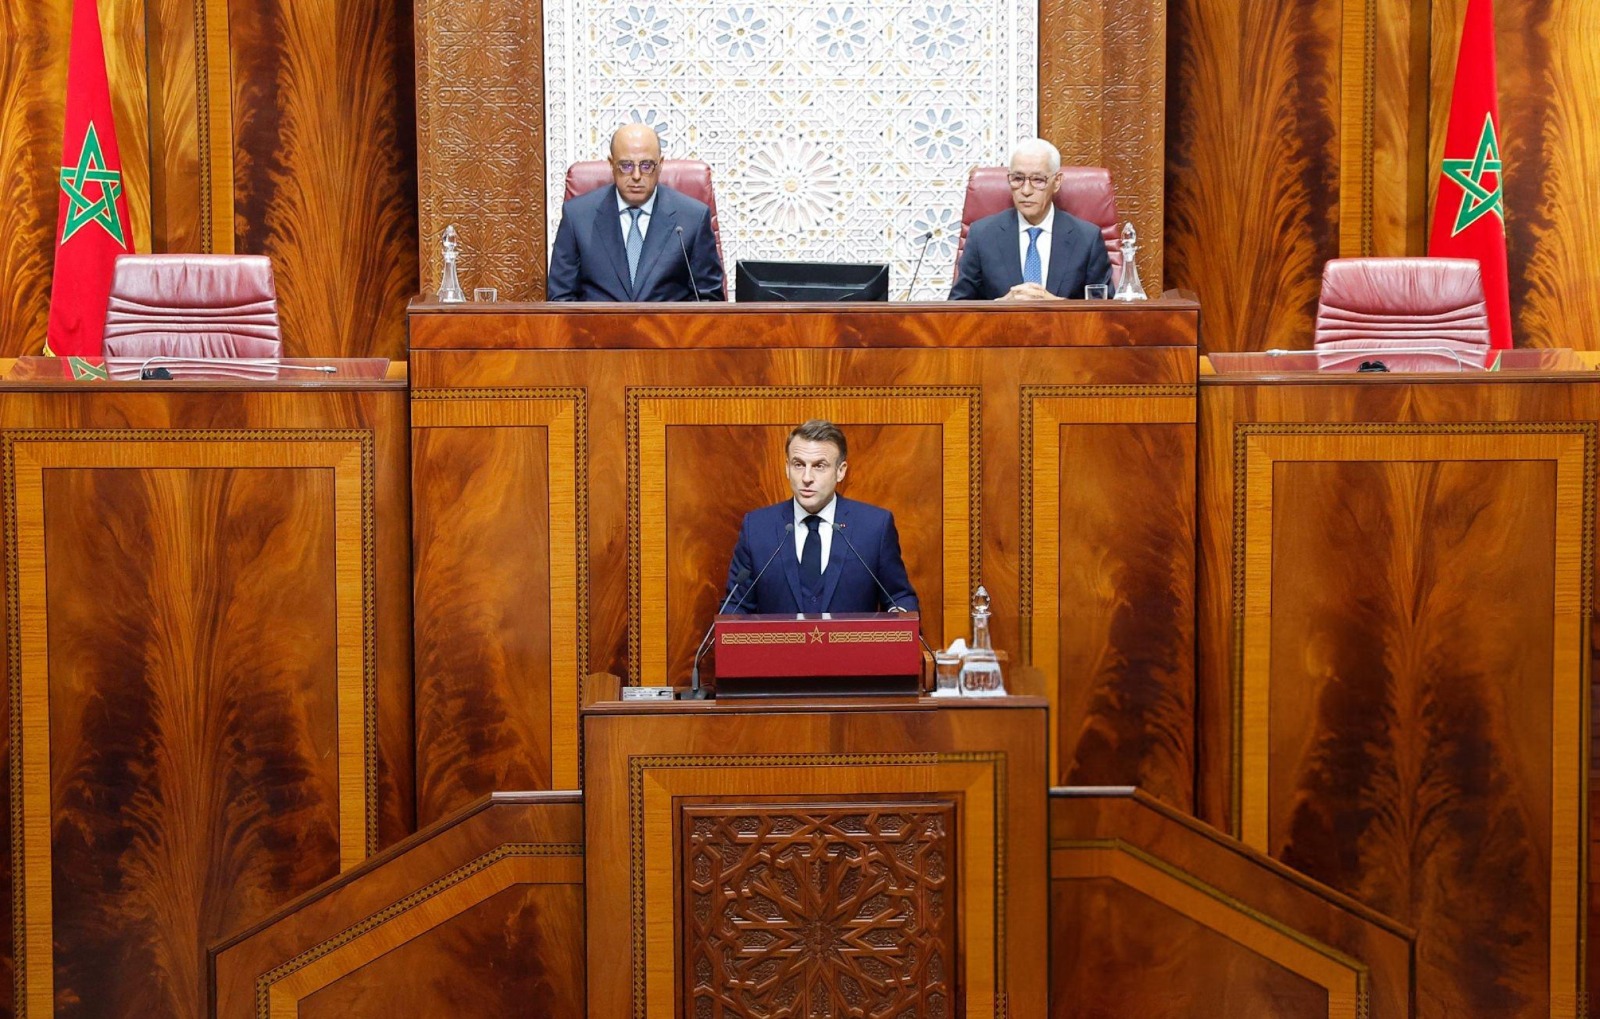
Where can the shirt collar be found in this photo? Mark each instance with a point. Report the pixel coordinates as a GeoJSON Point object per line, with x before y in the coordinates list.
{"type": "Point", "coordinates": [649, 206]}
{"type": "Point", "coordinates": [1023, 225]}
{"type": "Point", "coordinates": [827, 512]}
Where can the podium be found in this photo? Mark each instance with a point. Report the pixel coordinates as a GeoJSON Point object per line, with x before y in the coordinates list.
{"type": "Point", "coordinates": [838, 654]}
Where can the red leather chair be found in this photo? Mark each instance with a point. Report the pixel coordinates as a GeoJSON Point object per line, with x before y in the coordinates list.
{"type": "Point", "coordinates": [192, 306]}
{"type": "Point", "coordinates": [690, 176]}
{"type": "Point", "coordinates": [1372, 304]}
{"type": "Point", "coordinates": [1086, 192]}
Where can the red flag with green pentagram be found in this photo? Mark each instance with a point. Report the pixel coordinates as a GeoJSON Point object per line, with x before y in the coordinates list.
{"type": "Point", "coordinates": [1469, 217]}
{"type": "Point", "coordinates": [92, 228]}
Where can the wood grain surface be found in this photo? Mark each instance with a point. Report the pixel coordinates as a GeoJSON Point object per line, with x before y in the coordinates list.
{"type": "Point", "coordinates": [325, 168]}
{"type": "Point", "coordinates": [688, 439]}
{"type": "Point", "coordinates": [1154, 913]}
{"type": "Point", "coordinates": [1396, 598]}
{"type": "Point", "coordinates": [209, 684]}
{"type": "Point", "coordinates": [497, 888]}
{"type": "Point", "coordinates": [648, 771]}
{"type": "Point", "coordinates": [306, 123]}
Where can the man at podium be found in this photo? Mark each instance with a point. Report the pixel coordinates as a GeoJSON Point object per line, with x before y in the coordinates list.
{"type": "Point", "coordinates": [818, 552]}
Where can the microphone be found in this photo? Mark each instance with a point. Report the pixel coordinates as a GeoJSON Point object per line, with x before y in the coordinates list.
{"type": "Point", "coordinates": [894, 606]}
{"type": "Point", "coordinates": [696, 691]}
{"type": "Point", "coordinates": [688, 264]}
{"type": "Point", "coordinates": [927, 238]}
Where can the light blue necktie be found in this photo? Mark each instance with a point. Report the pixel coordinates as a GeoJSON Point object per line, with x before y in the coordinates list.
{"type": "Point", "coordinates": [1032, 270]}
{"type": "Point", "coordinates": [636, 244]}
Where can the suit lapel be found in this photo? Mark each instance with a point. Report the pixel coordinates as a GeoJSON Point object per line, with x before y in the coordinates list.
{"type": "Point", "coordinates": [1061, 257]}
{"type": "Point", "coordinates": [660, 237]}
{"type": "Point", "coordinates": [1011, 259]}
{"type": "Point", "coordinates": [608, 232]}
{"type": "Point", "coordinates": [837, 551]}
{"type": "Point", "coordinates": [791, 562]}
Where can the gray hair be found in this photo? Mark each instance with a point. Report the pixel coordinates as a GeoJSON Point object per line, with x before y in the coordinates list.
{"type": "Point", "coordinates": [1037, 147]}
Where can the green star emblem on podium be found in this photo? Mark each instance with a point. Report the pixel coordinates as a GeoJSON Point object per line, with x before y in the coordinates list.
{"type": "Point", "coordinates": [1478, 200]}
{"type": "Point", "coordinates": [75, 180]}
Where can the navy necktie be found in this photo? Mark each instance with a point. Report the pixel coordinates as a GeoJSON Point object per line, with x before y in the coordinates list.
{"type": "Point", "coordinates": [811, 559]}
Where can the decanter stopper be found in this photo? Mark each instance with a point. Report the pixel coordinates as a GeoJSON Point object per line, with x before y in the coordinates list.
{"type": "Point", "coordinates": [1129, 288]}
{"type": "Point", "coordinates": [450, 285]}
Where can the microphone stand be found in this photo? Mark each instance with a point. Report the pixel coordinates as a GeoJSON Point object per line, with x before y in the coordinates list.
{"type": "Point", "coordinates": [688, 264]}
{"type": "Point", "coordinates": [927, 238]}
{"type": "Point", "coordinates": [696, 691]}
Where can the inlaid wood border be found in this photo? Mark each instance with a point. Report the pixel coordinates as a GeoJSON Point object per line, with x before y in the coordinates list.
{"type": "Point", "coordinates": [214, 124]}
{"type": "Point", "coordinates": [1571, 447]}
{"type": "Point", "coordinates": [24, 457]}
{"type": "Point", "coordinates": [651, 411]}
{"type": "Point", "coordinates": [280, 990]}
{"type": "Point", "coordinates": [1346, 980]}
{"type": "Point", "coordinates": [1044, 410]}
{"type": "Point", "coordinates": [564, 414]}
{"type": "Point", "coordinates": [1358, 127]}
{"type": "Point", "coordinates": [977, 779]}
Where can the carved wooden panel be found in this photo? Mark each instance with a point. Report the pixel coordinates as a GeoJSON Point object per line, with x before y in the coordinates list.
{"type": "Point", "coordinates": [804, 909]}
{"type": "Point", "coordinates": [645, 771]}
{"type": "Point", "coordinates": [1103, 102]}
{"type": "Point", "coordinates": [1396, 624]}
{"type": "Point", "coordinates": [480, 142]}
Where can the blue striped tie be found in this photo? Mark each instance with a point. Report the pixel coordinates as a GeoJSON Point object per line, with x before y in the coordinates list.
{"type": "Point", "coordinates": [1032, 268]}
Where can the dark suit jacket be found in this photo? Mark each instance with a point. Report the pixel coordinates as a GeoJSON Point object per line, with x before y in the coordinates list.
{"type": "Point", "coordinates": [590, 258]}
{"type": "Point", "coordinates": [846, 585]}
{"type": "Point", "coordinates": [991, 263]}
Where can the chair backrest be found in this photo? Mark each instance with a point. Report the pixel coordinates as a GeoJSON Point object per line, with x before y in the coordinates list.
{"type": "Point", "coordinates": [1086, 192]}
{"type": "Point", "coordinates": [195, 306]}
{"type": "Point", "coordinates": [689, 176]}
{"type": "Point", "coordinates": [1370, 303]}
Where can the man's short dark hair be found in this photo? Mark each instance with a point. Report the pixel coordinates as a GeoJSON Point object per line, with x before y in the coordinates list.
{"type": "Point", "coordinates": [818, 430]}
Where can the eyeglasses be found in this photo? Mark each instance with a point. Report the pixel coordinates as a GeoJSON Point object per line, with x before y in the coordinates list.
{"type": "Point", "coordinates": [1038, 180]}
{"type": "Point", "coordinates": [646, 166]}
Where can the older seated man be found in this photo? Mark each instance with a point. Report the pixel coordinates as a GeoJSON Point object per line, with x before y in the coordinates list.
{"type": "Point", "coordinates": [635, 240]}
{"type": "Point", "coordinates": [1034, 251]}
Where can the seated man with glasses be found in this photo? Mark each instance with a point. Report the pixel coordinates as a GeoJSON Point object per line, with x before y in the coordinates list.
{"type": "Point", "coordinates": [635, 240]}
{"type": "Point", "coordinates": [1034, 251]}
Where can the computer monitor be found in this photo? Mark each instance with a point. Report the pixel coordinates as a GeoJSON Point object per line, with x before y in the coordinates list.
{"type": "Point", "coordinates": [811, 281]}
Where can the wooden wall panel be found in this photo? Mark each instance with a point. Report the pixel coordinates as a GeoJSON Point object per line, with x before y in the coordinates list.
{"type": "Point", "coordinates": [158, 717]}
{"type": "Point", "coordinates": [1103, 100]}
{"type": "Point", "coordinates": [1396, 602]}
{"type": "Point", "coordinates": [1549, 85]}
{"type": "Point", "coordinates": [655, 775]}
{"type": "Point", "coordinates": [683, 416]}
{"type": "Point", "coordinates": [208, 687]}
{"type": "Point", "coordinates": [1153, 913]}
{"type": "Point", "coordinates": [304, 110]}
{"type": "Point", "coordinates": [1253, 163]}
{"type": "Point", "coordinates": [325, 180]}
{"type": "Point", "coordinates": [481, 915]}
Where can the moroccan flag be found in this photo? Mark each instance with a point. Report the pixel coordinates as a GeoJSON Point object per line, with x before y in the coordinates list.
{"type": "Point", "coordinates": [1469, 217]}
{"type": "Point", "coordinates": [92, 228]}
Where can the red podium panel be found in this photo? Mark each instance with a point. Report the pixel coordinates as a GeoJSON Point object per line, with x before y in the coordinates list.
{"type": "Point", "coordinates": [844, 653]}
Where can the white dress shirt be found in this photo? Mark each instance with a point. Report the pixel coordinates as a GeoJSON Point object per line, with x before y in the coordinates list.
{"type": "Point", "coordinates": [648, 208]}
{"type": "Point", "coordinates": [824, 529]}
{"type": "Point", "coordinates": [1048, 226]}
